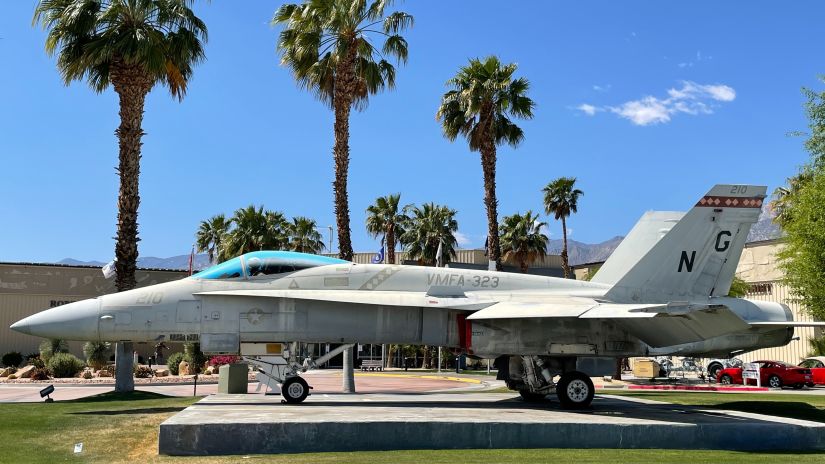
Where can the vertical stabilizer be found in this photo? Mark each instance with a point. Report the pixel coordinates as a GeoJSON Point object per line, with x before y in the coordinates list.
{"type": "Point", "coordinates": [698, 257]}
{"type": "Point", "coordinates": [652, 226]}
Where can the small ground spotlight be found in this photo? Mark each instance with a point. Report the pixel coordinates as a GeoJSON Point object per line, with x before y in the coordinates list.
{"type": "Point", "coordinates": [44, 393]}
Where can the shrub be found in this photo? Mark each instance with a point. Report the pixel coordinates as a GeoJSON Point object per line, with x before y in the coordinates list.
{"type": "Point", "coordinates": [173, 361]}
{"type": "Point", "coordinates": [52, 346]}
{"type": "Point", "coordinates": [65, 365]}
{"type": "Point", "coordinates": [220, 360]}
{"type": "Point", "coordinates": [12, 359]}
{"type": "Point", "coordinates": [194, 356]}
{"type": "Point", "coordinates": [41, 373]}
{"type": "Point", "coordinates": [143, 372]}
{"type": "Point", "coordinates": [37, 363]}
{"type": "Point", "coordinates": [96, 353]}
{"type": "Point", "coordinates": [87, 375]}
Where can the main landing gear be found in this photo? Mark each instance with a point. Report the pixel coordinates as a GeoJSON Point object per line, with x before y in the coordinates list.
{"type": "Point", "coordinates": [281, 374]}
{"type": "Point", "coordinates": [532, 377]}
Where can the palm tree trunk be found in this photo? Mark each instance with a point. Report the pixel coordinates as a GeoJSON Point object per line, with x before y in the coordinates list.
{"type": "Point", "coordinates": [342, 104]}
{"type": "Point", "coordinates": [564, 264]}
{"type": "Point", "coordinates": [524, 267]}
{"type": "Point", "coordinates": [391, 244]}
{"type": "Point", "coordinates": [488, 166]}
{"type": "Point", "coordinates": [132, 98]}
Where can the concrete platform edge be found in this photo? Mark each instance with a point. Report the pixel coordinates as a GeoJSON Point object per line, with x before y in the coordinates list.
{"type": "Point", "coordinates": [273, 438]}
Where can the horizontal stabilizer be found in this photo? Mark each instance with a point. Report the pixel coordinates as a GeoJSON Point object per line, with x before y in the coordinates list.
{"type": "Point", "coordinates": [410, 299]}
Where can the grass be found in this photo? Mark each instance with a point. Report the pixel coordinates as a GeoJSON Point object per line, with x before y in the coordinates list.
{"type": "Point", "coordinates": [796, 406]}
{"type": "Point", "coordinates": [124, 428]}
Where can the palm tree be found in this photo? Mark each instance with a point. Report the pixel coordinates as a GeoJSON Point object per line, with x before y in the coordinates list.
{"type": "Point", "coordinates": [782, 203]}
{"type": "Point", "coordinates": [428, 226]}
{"type": "Point", "coordinates": [522, 240]}
{"type": "Point", "coordinates": [561, 199]}
{"type": "Point", "coordinates": [484, 96]}
{"type": "Point", "coordinates": [328, 45]}
{"type": "Point", "coordinates": [211, 234]}
{"type": "Point", "coordinates": [254, 229]}
{"type": "Point", "coordinates": [384, 218]}
{"type": "Point", "coordinates": [304, 236]}
{"type": "Point", "coordinates": [132, 45]}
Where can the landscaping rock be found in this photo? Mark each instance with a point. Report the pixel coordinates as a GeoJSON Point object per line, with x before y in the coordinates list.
{"type": "Point", "coordinates": [104, 373]}
{"type": "Point", "coordinates": [25, 372]}
{"type": "Point", "coordinates": [161, 372]}
{"type": "Point", "coordinates": [6, 372]}
{"type": "Point", "coordinates": [183, 368]}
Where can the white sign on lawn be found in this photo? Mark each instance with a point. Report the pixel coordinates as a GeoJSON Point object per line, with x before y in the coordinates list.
{"type": "Point", "coordinates": [750, 371]}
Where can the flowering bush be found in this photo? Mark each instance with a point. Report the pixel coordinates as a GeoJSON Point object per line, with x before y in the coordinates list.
{"type": "Point", "coordinates": [220, 360]}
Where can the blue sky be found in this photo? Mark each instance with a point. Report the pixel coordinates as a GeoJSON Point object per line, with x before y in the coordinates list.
{"type": "Point", "coordinates": [682, 96]}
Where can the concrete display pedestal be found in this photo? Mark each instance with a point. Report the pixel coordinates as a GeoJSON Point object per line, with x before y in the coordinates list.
{"type": "Point", "coordinates": [257, 424]}
{"type": "Point", "coordinates": [232, 378]}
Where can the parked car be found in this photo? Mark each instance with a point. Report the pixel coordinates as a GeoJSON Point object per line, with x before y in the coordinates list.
{"type": "Point", "coordinates": [774, 374]}
{"type": "Point", "coordinates": [717, 364]}
{"type": "Point", "coordinates": [817, 366]}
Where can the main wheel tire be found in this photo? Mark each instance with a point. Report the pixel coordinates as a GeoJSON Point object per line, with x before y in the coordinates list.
{"type": "Point", "coordinates": [575, 390]}
{"type": "Point", "coordinates": [726, 380]}
{"type": "Point", "coordinates": [774, 381]}
{"type": "Point", "coordinates": [798, 386]}
{"type": "Point", "coordinates": [810, 385]}
{"type": "Point", "coordinates": [713, 370]}
{"type": "Point", "coordinates": [295, 390]}
{"type": "Point", "coordinates": [531, 397]}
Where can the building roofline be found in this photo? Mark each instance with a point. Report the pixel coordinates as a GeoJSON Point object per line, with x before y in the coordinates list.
{"type": "Point", "coordinates": [84, 266]}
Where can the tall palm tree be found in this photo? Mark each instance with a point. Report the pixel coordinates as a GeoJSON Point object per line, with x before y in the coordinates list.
{"type": "Point", "coordinates": [522, 240]}
{"type": "Point", "coordinates": [428, 226]}
{"type": "Point", "coordinates": [131, 45]}
{"type": "Point", "coordinates": [328, 45]}
{"type": "Point", "coordinates": [561, 199]}
{"type": "Point", "coordinates": [211, 234]}
{"type": "Point", "coordinates": [304, 236]}
{"type": "Point", "coordinates": [385, 218]}
{"type": "Point", "coordinates": [484, 96]}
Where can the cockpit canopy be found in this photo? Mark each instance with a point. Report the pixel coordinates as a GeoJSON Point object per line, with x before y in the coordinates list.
{"type": "Point", "coordinates": [263, 263]}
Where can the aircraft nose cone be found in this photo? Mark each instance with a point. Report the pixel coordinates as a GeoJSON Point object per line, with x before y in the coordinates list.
{"type": "Point", "coordinates": [74, 321]}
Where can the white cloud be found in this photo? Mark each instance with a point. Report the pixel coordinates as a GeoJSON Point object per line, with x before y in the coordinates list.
{"type": "Point", "coordinates": [587, 109]}
{"type": "Point", "coordinates": [691, 98]}
{"type": "Point", "coordinates": [462, 239]}
{"type": "Point", "coordinates": [602, 88]}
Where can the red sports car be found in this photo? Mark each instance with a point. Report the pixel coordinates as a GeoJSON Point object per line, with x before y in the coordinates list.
{"type": "Point", "coordinates": [774, 374]}
{"type": "Point", "coordinates": [817, 366]}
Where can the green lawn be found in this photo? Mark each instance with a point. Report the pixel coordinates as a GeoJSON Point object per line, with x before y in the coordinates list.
{"type": "Point", "coordinates": [801, 406]}
{"type": "Point", "coordinates": [124, 428]}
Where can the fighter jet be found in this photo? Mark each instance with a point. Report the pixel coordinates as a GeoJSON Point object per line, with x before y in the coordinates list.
{"type": "Point", "coordinates": [662, 292]}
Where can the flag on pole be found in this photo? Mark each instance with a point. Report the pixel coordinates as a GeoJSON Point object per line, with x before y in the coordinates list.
{"type": "Point", "coordinates": [378, 258]}
{"type": "Point", "coordinates": [439, 255]}
{"type": "Point", "coordinates": [192, 260]}
{"type": "Point", "coordinates": [109, 269]}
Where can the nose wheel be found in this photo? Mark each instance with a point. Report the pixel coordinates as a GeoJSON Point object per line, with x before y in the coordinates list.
{"type": "Point", "coordinates": [575, 390]}
{"type": "Point", "coordinates": [295, 390]}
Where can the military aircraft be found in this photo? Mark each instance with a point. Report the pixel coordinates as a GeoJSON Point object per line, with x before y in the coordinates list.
{"type": "Point", "coordinates": [662, 292]}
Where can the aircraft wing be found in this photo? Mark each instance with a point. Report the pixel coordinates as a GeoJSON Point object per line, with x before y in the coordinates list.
{"type": "Point", "coordinates": [414, 299]}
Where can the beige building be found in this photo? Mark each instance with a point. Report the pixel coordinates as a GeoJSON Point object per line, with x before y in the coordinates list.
{"type": "Point", "coordinates": [26, 289]}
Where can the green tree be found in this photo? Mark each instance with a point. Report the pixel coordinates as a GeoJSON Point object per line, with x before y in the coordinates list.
{"type": "Point", "coordinates": [211, 234]}
{"type": "Point", "coordinates": [561, 199]}
{"type": "Point", "coordinates": [738, 287]}
{"type": "Point", "coordinates": [817, 346]}
{"type": "Point", "coordinates": [329, 46]}
{"type": "Point", "coordinates": [483, 97]}
{"type": "Point", "coordinates": [522, 240]}
{"type": "Point", "coordinates": [255, 229]}
{"type": "Point", "coordinates": [386, 219]}
{"type": "Point", "coordinates": [131, 45]}
{"type": "Point", "coordinates": [802, 215]}
{"type": "Point", "coordinates": [304, 236]}
{"type": "Point", "coordinates": [428, 226]}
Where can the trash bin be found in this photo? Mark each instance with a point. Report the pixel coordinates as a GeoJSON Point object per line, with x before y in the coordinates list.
{"type": "Point", "coordinates": [232, 378]}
